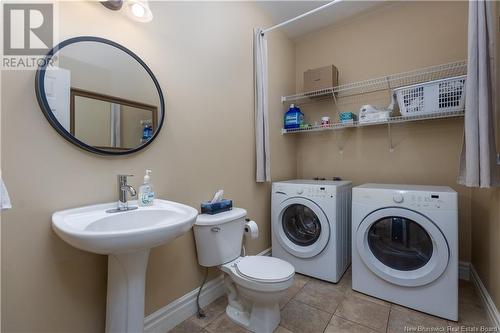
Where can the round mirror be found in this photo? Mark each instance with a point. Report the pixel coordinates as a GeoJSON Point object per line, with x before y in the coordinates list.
{"type": "Point", "coordinates": [100, 96]}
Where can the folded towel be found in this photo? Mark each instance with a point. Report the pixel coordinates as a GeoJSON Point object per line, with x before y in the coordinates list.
{"type": "Point", "coordinates": [374, 116]}
{"type": "Point", "coordinates": [4, 197]}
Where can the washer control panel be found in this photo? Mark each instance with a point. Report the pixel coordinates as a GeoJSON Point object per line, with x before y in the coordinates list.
{"type": "Point", "coordinates": [312, 192]}
{"type": "Point", "coordinates": [318, 192]}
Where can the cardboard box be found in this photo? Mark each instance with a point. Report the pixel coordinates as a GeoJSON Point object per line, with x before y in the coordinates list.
{"type": "Point", "coordinates": [321, 78]}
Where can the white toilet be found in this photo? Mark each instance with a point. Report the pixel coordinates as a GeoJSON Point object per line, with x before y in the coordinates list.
{"type": "Point", "coordinates": [254, 284]}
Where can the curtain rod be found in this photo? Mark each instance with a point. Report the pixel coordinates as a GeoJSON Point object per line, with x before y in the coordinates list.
{"type": "Point", "coordinates": [300, 16]}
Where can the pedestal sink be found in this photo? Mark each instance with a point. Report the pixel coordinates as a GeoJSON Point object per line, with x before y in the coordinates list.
{"type": "Point", "coordinates": [126, 237]}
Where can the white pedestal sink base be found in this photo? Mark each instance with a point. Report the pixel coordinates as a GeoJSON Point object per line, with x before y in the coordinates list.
{"type": "Point", "coordinates": [126, 238]}
{"type": "Point", "coordinates": [126, 287]}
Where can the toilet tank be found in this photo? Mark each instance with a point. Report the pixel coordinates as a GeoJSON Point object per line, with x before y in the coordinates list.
{"type": "Point", "coordinates": [219, 237]}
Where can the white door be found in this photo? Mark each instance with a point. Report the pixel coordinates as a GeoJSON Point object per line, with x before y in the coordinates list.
{"type": "Point", "coordinates": [57, 89]}
{"type": "Point", "coordinates": [402, 246]}
{"type": "Point", "coordinates": [302, 227]}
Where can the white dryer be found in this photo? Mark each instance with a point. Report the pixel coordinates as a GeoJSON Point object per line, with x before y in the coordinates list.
{"type": "Point", "coordinates": [405, 246]}
{"type": "Point", "coordinates": [311, 226]}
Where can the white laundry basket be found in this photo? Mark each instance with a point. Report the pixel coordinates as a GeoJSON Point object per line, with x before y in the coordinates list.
{"type": "Point", "coordinates": [445, 95]}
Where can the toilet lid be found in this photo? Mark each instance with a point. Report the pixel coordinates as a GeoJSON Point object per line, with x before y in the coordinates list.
{"type": "Point", "coordinates": [265, 269]}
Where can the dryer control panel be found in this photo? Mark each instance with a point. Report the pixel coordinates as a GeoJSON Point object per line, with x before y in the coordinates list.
{"type": "Point", "coordinates": [409, 199]}
{"type": "Point", "coordinates": [425, 201]}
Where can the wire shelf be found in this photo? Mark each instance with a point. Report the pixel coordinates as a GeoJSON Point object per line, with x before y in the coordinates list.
{"type": "Point", "coordinates": [387, 82]}
{"type": "Point", "coordinates": [391, 120]}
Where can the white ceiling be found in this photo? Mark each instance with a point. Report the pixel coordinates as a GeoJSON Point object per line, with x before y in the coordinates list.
{"type": "Point", "coordinates": [280, 11]}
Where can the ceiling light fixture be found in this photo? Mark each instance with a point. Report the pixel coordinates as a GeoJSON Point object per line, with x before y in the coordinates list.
{"type": "Point", "coordinates": [138, 10]}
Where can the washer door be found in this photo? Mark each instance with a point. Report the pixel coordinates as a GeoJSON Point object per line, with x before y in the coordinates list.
{"type": "Point", "coordinates": [302, 227]}
{"type": "Point", "coordinates": [402, 246]}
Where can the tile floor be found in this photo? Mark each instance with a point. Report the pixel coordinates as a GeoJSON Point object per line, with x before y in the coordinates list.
{"type": "Point", "coordinates": [315, 306]}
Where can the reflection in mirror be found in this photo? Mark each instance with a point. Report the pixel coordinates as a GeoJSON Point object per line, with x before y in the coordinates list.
{"type": "Point", "coordinates": [110, 122]}
{"type": "Point", "coordinates": [102, 95]}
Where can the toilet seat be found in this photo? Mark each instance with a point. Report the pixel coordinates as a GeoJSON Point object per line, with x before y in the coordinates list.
{"type": "Point", "coordinates": [265, 269]}
{"type": "Point", "coordinates": [254, 272]}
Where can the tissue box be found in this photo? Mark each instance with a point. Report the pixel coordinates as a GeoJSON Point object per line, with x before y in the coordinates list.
{"type": "Point", "coordinates": [217, 207]}
{"type": "Point", "coordinates": [321, 78]}
{"type": "Point", "coordinates": [347, 117]}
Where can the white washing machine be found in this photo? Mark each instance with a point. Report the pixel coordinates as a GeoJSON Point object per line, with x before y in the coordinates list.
{"type": "Point", "coordinates": [311, 226]}
{"type": "Point", "coordinates": [405, 246]}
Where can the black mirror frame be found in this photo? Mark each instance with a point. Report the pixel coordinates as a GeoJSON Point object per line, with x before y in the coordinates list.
{"type": "Point", "coordinates": [44, 105]}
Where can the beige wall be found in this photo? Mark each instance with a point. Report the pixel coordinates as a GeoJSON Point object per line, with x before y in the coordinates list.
{"type": "Point", "coordinates": [202, 56]}
{"type": "Point", "coordinates": [486, 239]}
{"type": "Point", "coordinates": [394, 38]}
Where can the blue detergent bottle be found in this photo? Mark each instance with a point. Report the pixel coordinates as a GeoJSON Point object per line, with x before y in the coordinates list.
{"type": "Point", "coordinates": [293, 117]}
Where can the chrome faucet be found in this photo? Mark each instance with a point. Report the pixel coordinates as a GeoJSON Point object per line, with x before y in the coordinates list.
{"type": "Point", "coordinates": [123, 190]}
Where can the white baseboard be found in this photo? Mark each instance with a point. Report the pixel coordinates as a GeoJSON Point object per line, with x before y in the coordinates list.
{"type": "Point", "coordinates": [266, 252]}
{"type": "Point", "coordinates": [464, 270]}
{"type": "Point", "coordinates": [488, 303]}
{"type": "Point", "coordinates": [171, 315]}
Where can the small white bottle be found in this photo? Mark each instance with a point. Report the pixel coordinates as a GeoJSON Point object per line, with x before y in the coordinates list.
{"type": "Point", "coordinates": [146, 194]}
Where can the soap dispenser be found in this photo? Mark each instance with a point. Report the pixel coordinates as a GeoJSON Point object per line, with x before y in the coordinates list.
{"type": "Point", "coordinates": [146, 194]}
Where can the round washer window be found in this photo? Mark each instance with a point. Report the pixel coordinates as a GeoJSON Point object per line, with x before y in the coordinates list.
{"type": "Point", "coordinates": [400, 243]}
{"type": "Point", "coordinates": [301, 225]}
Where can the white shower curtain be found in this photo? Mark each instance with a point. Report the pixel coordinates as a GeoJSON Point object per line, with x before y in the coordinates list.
{"type": "Point", "coordinates": [478, 166]}
{"type": "Point", "coordinates": [263, 172]}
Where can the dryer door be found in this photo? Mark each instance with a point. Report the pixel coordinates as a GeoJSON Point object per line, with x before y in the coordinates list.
{"type": "Point", "coordinates": [402, 246]}
{"type": "Point", "coordinates": [302, 228]}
